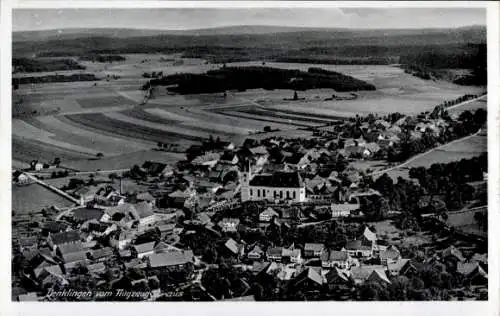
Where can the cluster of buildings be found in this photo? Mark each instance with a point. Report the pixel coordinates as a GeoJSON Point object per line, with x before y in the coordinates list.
{"type": "Point", "coordinates": [300, 180]}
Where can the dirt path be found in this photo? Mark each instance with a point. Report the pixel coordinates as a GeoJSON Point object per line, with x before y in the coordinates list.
{"type": "Point", "coordinates": [465, 102]}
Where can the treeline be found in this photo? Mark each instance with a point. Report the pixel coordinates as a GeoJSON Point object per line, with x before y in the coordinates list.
{"type": "Point", "coordinates": [243, 78]}
{"type": "Point", "coordinates": [42, 65]}
{"type": "Point", "coordinates": [102, 58]}
{"type": "Point", "coordinates": [376, 60]}
{"type": "Point", "coordinates": [441, 188]}
{"type": "Point", "coordinates": [429, 64]}
{"type": "Point", "coordinates": [54, 78]}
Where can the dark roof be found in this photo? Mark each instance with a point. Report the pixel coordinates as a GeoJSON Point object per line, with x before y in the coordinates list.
{"type": "Point", "coordinates": [228, 156]}
{"type": "Point", "coordinates": [154, 167]}
{"type": "Point", "coordinates": [102, 253]}
{"type": "Point", "coordinates": [145, 247]}
{"type": "Point", "coordinates": [333, 255]}
{"type": "Point", "coordinates": [278, 179]}
{"type": "Point", "coordinates": [75, 256]}
{"type": "Point", "coordinates": [65, 237]}
{"type": "Point", "coordinates": [294, 159]}
{"type": "Point", "coordinates": [357, 245]}
{"type": "Point", "coordinates": [69, 248]}
{"type": "Point", "coordinates": [85, 213]}
{"type": "Point", "coordinates": [171, 258]}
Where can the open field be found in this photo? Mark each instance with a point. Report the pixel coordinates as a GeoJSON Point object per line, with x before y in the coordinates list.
{"type": "Point", "coordinates": [34, 197]}
{"type": "Point", "coordinates": [123, 161]}
{"type": "Point", "coordinates": [76, 120]}
{"type": "Point", "coordinates": [473, 106]}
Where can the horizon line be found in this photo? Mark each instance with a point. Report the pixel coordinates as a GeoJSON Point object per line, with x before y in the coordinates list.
{"type": "Point", "coordinates": [249, 25]}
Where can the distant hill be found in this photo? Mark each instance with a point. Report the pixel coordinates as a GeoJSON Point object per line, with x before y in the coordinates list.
{"type": "Point", "coordinates": [44, 35]}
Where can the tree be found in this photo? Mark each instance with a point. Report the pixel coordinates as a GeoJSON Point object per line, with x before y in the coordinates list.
{"type": "Point", "coordinates": [113, 176]}
{"type": "Point", "coordinates": [99, 155]}
{"type": "Point", "coordinates": [160, 144]}
{"type": "Point", "coordinates": [57, 161]}
{"type": "Point", "coordinates": [210, 254]}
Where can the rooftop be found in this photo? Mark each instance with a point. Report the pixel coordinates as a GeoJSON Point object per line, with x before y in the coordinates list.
{"type": "Point", "coordinates": [278, 179]}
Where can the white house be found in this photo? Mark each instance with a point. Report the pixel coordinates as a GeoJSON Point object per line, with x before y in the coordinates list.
{"type": "Point", "coordinates": [277, 186]}
{"type": "Point", "coordinates": [332, 258]}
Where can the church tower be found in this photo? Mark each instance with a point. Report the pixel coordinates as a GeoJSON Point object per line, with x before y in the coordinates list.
{"type": "Point", "coordinates": [245, 183]}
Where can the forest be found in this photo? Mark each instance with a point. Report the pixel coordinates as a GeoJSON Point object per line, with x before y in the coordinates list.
{"type": "Point", "coordinates": [242, 78]}
{"type": "Point", "coordinates": [43, 65]}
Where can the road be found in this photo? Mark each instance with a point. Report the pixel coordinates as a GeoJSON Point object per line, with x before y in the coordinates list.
{"type": "Point", "coordinates": [465, 102]}
{"type": "Point", "coordinates": [402, 165]}
{"type": "Point", "coordinates": [52, 188]}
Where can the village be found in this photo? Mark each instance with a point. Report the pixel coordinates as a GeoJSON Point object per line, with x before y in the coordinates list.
{"type": "Point", "coordinates": [271, 219]}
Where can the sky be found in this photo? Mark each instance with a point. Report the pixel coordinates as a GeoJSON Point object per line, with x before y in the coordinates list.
{"type": "Point", "coordinates": [181, 19]}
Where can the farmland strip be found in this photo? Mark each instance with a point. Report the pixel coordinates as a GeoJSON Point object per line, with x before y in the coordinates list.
{"type": "Point", "coordinates": [102, 122]}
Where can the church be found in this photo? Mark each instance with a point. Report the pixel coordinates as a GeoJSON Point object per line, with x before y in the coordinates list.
{"type": "Point", "coordinates": [280, 185]}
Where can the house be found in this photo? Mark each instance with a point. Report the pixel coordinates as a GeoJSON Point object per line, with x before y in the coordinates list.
{"type": "Point", "coordinates": [356, 248]}
{"type": "Point", "coordinates": [21, 178]}
{"type": "Point", "coordinates": [382, 124]}
{"type": "Point", "coordinates": [63, 238]}
{"type": "Point", "coordinates": [360, 274]}
{"type": "Point", "coordinates": [179, 198]}
{"type": "Point", "coordinates": [357, 152]}
{"type": "Point", "coordinates": [36, 165]}
{"type": "Point", "coordinates": [312, 250]}
{"type": "Point", "coordinates": [279, 185]}
{"type": "Point", "coordinates": [473, 272]}
{"type": "Point", "coordinates": [122, 240]}
{"type": "Point", "coordinates": [28, 297]}
{"type": "Point", "coordinates": [255, 254]}
{"type": "Point", "coordinates": [336, 276]}
{"type": "Point", "coordinates": [369, 236]}
{"type": "Point", "coordinates": [267, 215]}
{"type": "Point", "coordinates": [84, 214]}
{"type": "Point", "coordinates": [143, 250]}
{"type": "Point", "coordinates": [97, 268]}
{"type": "Point", "coordinates": [332, 258]}
{"type": "Point", "coordinates": [373, 148]}
{"type": "Point", "coordinates": [28, 243]}
{"type": "Point", "coordinates": [309, 279]}
{"type": "Point", "coordinates": [452, 256]}
{"type": "Point", "coordinates": [343, 209]}
{"type": "Point", "coordinates": [274, 254]}
{"type": "Point", "coordinates": [209, 159]}
{"type": "Point", "coordinates": [229, 157]}
{"type": "Point", "coordinates": [145, 214]}
{"type": "Point", "coordinates": [297, 161]}
{"type": "Point", "coordinates": [171, 259]}
{"type": "Point", "coordinates": [204, 186]}
{"type": "Point", "coordinates": [229, 224]}
{"type": "Point", "coordinates": [157, 169]}
{"type": "Point", "coordinates": [100, 255]}
{"type": "Point", "coordinates": [401, 267]}
{"type": "Point", "coordinates": [388, 256]}
{"type": "Point", "coordinates": [378, 276]}
{"type": "Point", "coordinates": [259, 155]}
{"type": "Point", "coordinates": [290, 255]}
{"type": "Point", "coordinates": [234, 247]}
{"type": "Point", "coordinates": [147, 198]}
